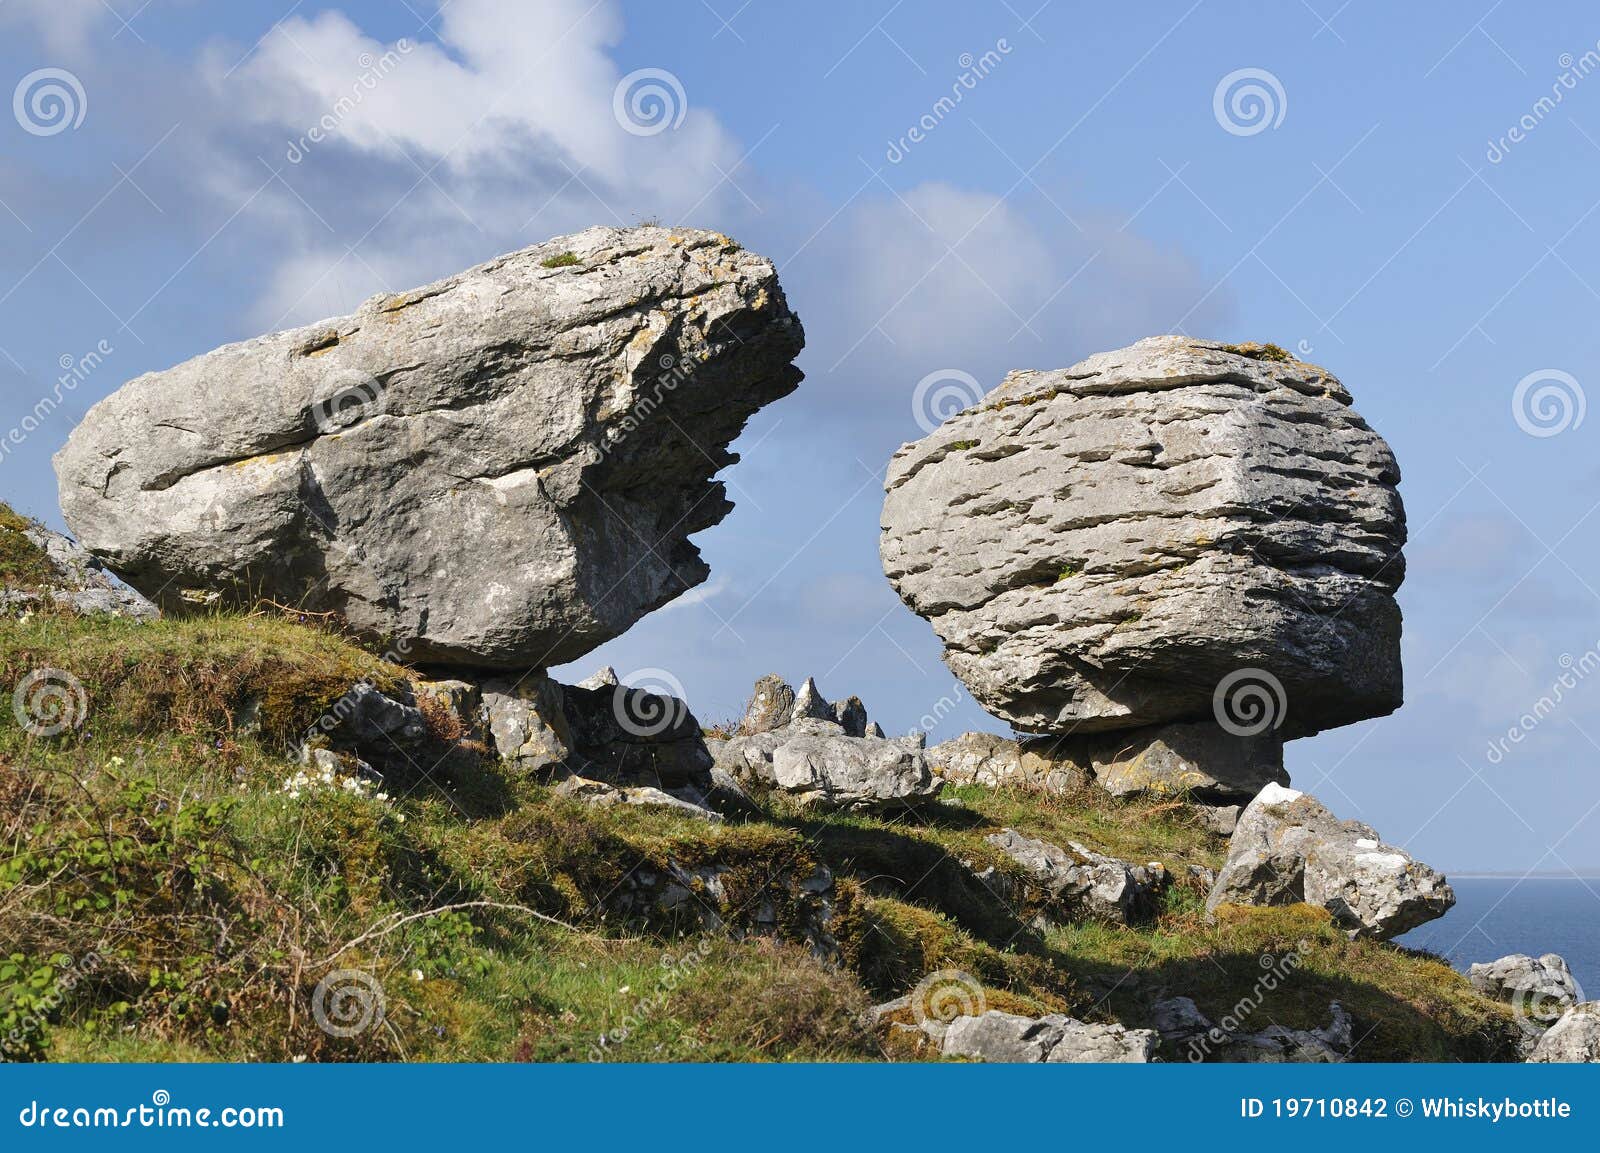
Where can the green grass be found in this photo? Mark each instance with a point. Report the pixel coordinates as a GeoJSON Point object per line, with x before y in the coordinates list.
{"type": "Point", "coordinates": [162, 899]}
{"type": "Point", "coordinates": [560, 260]}
{"type": "Point", "coordinates": [23, 564]}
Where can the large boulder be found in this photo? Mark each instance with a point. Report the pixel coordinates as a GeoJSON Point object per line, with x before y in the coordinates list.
{"type": "Point", "coordinates": [1084, 882]}
{"type": "Point", "coordinates": [499, 470]}
{"type": "Point", "coordinates": [1288, 848]}
{"type": "Point", "coordinates": [1176, 531]}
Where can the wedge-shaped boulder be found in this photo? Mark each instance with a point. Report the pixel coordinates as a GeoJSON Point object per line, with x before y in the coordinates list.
{"type": "Point", "coordinates": [499, 470]}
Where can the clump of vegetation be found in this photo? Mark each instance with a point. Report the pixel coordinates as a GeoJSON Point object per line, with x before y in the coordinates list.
{"type": "Point", "coordinates": [1068, 571]}
{"type": "Point", "coordinates": [23, 564]}
{"type": "Point", "coordinates": [560, 260]}
{"type": "Point", "coordinates": [1259, 351]}
{"type": "Point", "coordinates": [962, 445]}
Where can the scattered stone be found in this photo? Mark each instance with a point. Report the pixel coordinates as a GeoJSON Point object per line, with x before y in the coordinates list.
{"type": "Point", "coordinates": [346, 764]}
{"type": "Point", "coordinates": [1288, 848]}
{"type": "Point", "coordinates": [602, 678]}
{"type": "Point", "coordinates": [771, 706]}
{"type": "Point", "coordinates": [1219, 819]}
{"type": "Point", "coordinates": [75, 579]}
{"type": "Point", "coordinates": [1190, 1035]}
{"type": "Point", "coordinates": [844, 772]}
{"type": "Point", "coordinates": [527, 722]}
{"type": "Point", "coordinates": [462, 701]}
{"type": "Point", "coordinates": [366, 718]}
{"type": "Point", "coordinates": [1083, 881]}
{"type": "Point", "coordinates": [851, 716]}
{"type": "Point", "coordinates": [602, 795]}
{"type": "Point", "coordinates": [997, 762]}
{"type": "Point", "coordinates": [809, 702]}
{"type": "Point", "coordinates": [500, 470]}
{"type": "Point", "coordinates": [813, 758]}
{"type": "Point", "coordinates": [1517, 975]}
{"type": "Point", "coordinates": [1574, 1039]}
{"type": "Point", "coordinates": [997, 1037]}
{"type": "Point", "coordinates": [1099, 547]}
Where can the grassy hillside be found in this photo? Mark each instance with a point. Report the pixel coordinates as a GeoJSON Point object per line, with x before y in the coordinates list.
{"type": "Point", "coordinates": [165, 893]}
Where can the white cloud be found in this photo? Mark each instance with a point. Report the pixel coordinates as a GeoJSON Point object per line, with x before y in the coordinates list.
{"type": "Point", "coordinates": [63, 25]}
{"type": "Point", "coordinates": [499, 135]}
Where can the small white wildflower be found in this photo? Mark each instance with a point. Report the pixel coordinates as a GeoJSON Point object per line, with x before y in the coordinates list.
{"type": "Point", "coordinates": [416, 974]}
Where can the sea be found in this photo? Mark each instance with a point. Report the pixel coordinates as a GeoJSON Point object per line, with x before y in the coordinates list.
{"type": "Point", "coordinates": [1495, 916]}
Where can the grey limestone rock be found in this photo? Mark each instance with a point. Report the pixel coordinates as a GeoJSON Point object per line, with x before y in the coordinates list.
{"type": "Point", "coordinates": [1289, 848]}
{"type": "Point", "coordinates": [501, 470]}
{"type": "Point", "coordinates": [1100, 546]}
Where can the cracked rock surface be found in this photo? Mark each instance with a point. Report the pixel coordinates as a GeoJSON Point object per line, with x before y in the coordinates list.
{"type": "Point", "coordinates": [1099, 546]}
{"type": "Point", "coordinates": [499, 470]}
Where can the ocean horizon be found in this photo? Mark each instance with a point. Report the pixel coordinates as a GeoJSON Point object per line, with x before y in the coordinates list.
{"type": "Point", "coordinates": [1498, 914]}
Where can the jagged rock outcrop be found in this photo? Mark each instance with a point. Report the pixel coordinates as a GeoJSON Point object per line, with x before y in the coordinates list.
{"type": "Point", "coordinates": [498, 470]}
{"type": "Point", "coordinates": [1574, 1039]}
{"type": "Point", "coordinates": [1289, 848]}
{"type": "Point", "coordinates": [63, 574]}
{"type": "Point", "coordinates": [1085, 883]}
{"type": "Point", "coordinates": [998, 1037]}
{"type": "Point", "coordinates": [1190, 1035]}
{"type": "Point", "coordinates": [611, 733]}
{"type": "Point", "coordinates": [816, 760]}
{"type": "Point", "coordinates": [1104, 546]}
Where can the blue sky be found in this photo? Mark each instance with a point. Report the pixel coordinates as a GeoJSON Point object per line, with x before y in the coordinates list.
{"type": "Point", "coordinates": [1085, 192]}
